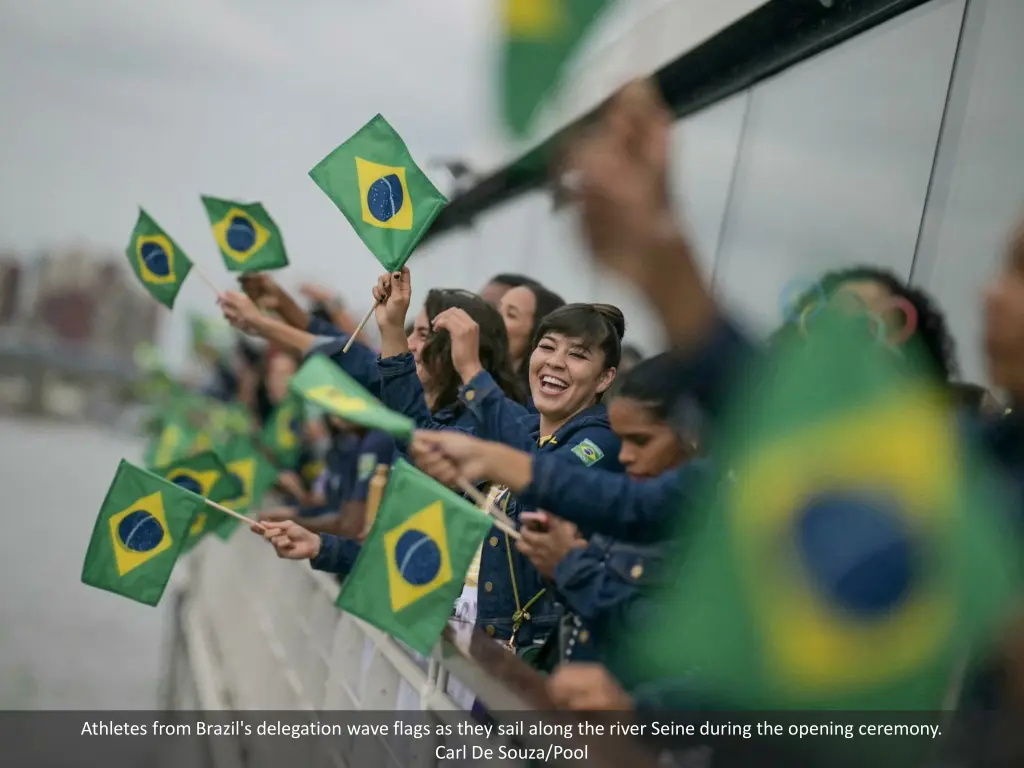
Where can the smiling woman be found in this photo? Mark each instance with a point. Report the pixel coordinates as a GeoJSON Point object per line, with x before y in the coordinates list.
{"type": "Point", "coordinates": [574, 361]}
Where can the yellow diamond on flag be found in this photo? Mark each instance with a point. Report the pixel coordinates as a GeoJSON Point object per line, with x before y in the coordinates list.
{"type": "Point", "coordinates": [417, 556]}
{"type": "Point", "coordinates": [192, 480]}
{"type": "Point", "coordinates": [384, 195]}
{"type": "Point", "coordinates": [245, 471]}
{"type": "Point", "coordinates": [533, 18]}
{"type": "Point", "coordinates": [335, 400]}
{"type": "Point", "coordinates": [239, 235]}
{"type": "Point", "coordinates": [913, 464]}
{"type": "Point", "coordinates": [139, 533]}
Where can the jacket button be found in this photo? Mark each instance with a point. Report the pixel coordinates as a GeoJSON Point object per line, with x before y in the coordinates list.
{"type": "Point", "coordinates": [494, 541]}
{"type": "Point", "coordinates": [636, 571]}
{"type": "Point", "coordinates": [489, 629]}
{"type": "Point", "coordinates": [584, 636]}
{"type": "Point", "coordinates": [470, 395]}
{"type": "Point", "coordinates": [488, 587]}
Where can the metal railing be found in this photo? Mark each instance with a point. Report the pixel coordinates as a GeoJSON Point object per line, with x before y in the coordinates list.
{"type": "Point", "coordinates": [253, 632]}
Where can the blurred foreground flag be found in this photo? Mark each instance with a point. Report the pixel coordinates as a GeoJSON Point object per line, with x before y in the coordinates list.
{"type": "Point", "coordinates": [248, 238]}
{"type": "Point", "coordinates": [141, 528]}
{"type": "Point", "coordinates": [247, 465]}
{"type": "Point", "coordinates": [387, 199]}
{"type": "Point", "coordinates": [540, 37]}
{"type": "Point", "coordinates": [860, 550]}
{"type": "Point", "coordinates": [421, 546]}
{"type": "Point", "coordinates": [157, 261]}
{"type": "Point", "coordinates": [206, 476]}
{"type": "Point", "coordinates": [324, 384]}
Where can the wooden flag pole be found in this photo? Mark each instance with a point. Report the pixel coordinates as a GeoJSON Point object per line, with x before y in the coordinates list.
{"type": "Point", "coordinates": [359, 328]}
{"type": "Point", "coordinates": [501, 521]}
{"type": "Point", "coordinates": [206, 279]}
{"type": "Point", "coordinates": [236, 515]}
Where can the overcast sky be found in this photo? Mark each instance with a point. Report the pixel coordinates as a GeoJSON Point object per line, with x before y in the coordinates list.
{"type": "Point", "coordinates": [109, 104]}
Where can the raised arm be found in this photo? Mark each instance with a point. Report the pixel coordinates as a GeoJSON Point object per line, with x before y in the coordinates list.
{"type": "Point", "coordinates": [605, 502]}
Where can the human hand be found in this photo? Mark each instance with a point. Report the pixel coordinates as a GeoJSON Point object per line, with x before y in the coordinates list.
{"type": "Point", "coordinates": [262, 289]}
{"type": "Point", "coordinates": [465, 341]}
{"type": "Point", "coordinates": [240, 311]}
{"type": "Point", "coordinates": [587, 687]}
{"type": "Point", "coordinates": [392, 295]}
{"type": "Point", "coordinates": [278, 515]}
{"type": "Point", "coordinates": [546, 539]}
{"type": "Point", "coordinates": [449, 457]}
{"type": "Point", "coordinates": [318, 293]}
{"type": "Point", "coordinates": [291, 540]}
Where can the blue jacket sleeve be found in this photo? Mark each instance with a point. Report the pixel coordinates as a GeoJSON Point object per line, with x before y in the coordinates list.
{"type": "Point", "coordinates": [337, 555]}
{"type": "Point", "coordinates": [360, 362]}
{"type": "Point", "coordinates": [612, 503]}
{"type": "Point", "coordinates": [402, 391]}
{"type": "Point", "coordinates": [606, 575]}
{"type": "Point", "coordinates": [498, 418]}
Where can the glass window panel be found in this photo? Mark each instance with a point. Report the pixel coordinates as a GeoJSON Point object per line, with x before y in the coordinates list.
{"type": "Point", "coordinates": [979, 181]}
{"type": "Point", "coordinates": [836, 159]}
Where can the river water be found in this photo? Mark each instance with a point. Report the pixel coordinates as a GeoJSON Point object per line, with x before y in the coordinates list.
{"type": "Point", "coordinates": [64, 645]}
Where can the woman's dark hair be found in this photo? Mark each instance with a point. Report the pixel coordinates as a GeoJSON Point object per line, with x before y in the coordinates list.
{"type": "Point", "coordinates": [598, 326]}
{"type": "Point", "coordinates": [652, 384]}
{"type": "Point", "coordinates": [545, 302]}
{"type": "Point", "coordinates": [932, 332]}
{"type": "Point", "coordinates": [511, 280]}
{"type": "Point", "coordinates": [436, 355]}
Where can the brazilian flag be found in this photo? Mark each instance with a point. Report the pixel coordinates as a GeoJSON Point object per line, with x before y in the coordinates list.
{"type": "Point", "coordinates": [157, 261]}
{"type": "Point", "coordinates": [248, 238]}
{"type": "Point", "coordinates": [856, 549]}
{"type": "Point", "coordinates": [282, 434]}
{"type": "Point", "coordinates": [540, 38]}
{"type": "Point", "coordinates": [139, 533]}
{"type": "Point", "coordinates": [326, 386]}
{"type": "Point", "coordinates": [419, 550]}
{"type": "Point", "coordinates": [176, 441]}
{"type": "Point", "coordinates": [204, 475]}
{"type": "Point", "coordinates": [387, 199]}
{"type": "Point", "coordinates": [247, 465]}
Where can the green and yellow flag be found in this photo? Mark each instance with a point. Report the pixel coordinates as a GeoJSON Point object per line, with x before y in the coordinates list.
{"type": "Point", "coordinates": [325, 385]}
{"type": "Point", "coordinates": [175, 441]}
{"type": "Point", "coordinates": [139, 533]}
{"type": "Point", "coordinates": [256, 475]}
{"type": "Point", "coordinates": [157, 261]}
{"type": "Point", "coordinates": [387, 199]}
{"type": "Point", "coordinates": [282, 434]}
{"type": "Point", "coordinates": [540, 38]}
{"type": "Point", "coordinates": [204, 475]}
{"type": "Point", "coordinates": [421, 546]}
{"type": "Point", "coordinates": [248, 238]}
{"type": "Point", "coordinates": [858, 551]}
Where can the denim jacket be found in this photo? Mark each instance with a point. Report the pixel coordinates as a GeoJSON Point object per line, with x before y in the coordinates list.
{"type": "Point", "coordinates": [360, 362]}
{"type": "Point", "coordinates": [605, 585]}
{"type": "Point", "coordinates": [337, 555]}
{"type": "Point", "coordinates": [528, 601]}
